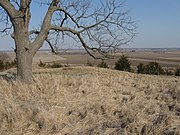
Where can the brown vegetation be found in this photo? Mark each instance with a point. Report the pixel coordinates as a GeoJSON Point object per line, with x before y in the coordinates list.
{"type": "Point", "coordinates": [6, 62]}
{"type": "Point", "coordinates": [87, 100]}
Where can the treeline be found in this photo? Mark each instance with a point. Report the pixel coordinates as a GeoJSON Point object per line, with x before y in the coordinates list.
{"type": "Point", "coordinates": [154, 68]}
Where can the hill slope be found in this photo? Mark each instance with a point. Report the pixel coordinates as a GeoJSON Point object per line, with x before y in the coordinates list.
{"type": "Point", "coordinates": [89, 101]}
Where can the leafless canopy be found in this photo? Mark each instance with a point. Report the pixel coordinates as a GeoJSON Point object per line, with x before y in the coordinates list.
{"type": "Point", "coordinates": [98, 28]}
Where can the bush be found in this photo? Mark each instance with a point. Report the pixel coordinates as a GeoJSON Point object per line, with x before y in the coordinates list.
{"type": "Point", "coordinates": [103, 65]}
{"type": "Point", "coordinates": [141, 68]}
{"type": "Point", "coordinates": [41, 64]}
{"type": "Point", "coordinates": [6, 62]}
{"type": "Point", "coordinates": [1, 65]}
{"type": "Point", "coordinates": [154, 68]}
{"type": "Point", "coordinates": [55, 65]}
{"type": "Point", "coordinates": [168, 72]}
{"type": "Point", "coordinates": [177, 72]}
{"type": "Point", "coordinates": [123, 64]}
{"type": "Point", "coordinates": [7, 65]}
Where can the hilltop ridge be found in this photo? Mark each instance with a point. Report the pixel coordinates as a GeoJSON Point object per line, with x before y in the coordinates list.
{"type": "Point", "coordinates": [89, 100]}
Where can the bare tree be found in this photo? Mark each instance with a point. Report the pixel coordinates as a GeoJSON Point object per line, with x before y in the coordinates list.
{"type": "Point", "coordinates": [98, 28]}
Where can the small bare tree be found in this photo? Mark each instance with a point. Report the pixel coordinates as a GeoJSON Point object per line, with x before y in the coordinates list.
{"type": "Point", "coordinates": [98, 28]}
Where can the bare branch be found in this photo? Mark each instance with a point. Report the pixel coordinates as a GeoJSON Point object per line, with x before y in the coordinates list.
{"type": "Point", "coordinates": [6, 29]}
{"type": "Point", "coordinates": [57, 28]}
{"type": "Point", "coordinates": [45, 26]}
{"type": "Point", "coordinates": [67, 15]}
{"type": "Point", "coordinates": [9, 8]}
{"type": "Point", "coordinates": [108, 29]}
{"type": "Point", "coordinates": [47, 40]}
{"type": "Point", "coordinates": [51, 46]}
{"type": "Point", "coordinates": [100, 28]}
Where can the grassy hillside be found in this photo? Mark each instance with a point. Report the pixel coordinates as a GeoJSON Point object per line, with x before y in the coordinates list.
{"type": "Point", "coordinates": [90, 101]}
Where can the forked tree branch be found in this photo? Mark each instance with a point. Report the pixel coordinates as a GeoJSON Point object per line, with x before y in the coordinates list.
{"type": "Point", "coordinates": [9, 8]}
{"type": "Point", "coordinates": [99, 28]}
{"type": "Point", "coordinates": [47, 40]}
{"type": "Point", "coordinates": [45, 28]}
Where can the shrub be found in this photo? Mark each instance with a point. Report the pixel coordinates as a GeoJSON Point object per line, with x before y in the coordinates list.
{"type": "Point", "coordinates": [123, 64]}
{"type": "Point", "coordinates": [168, 72]}
{"type": "Point", "coordinates": [6, 62]}
{"type": "Point", "coordinates": [41, 64]}
{"type": "Point", "coordinates": [7, 65]}
{"type": "Point", "coordinates": [55, 65]}
{"type": "Point", "coordinates": [66, 65]}
{"type": "Point", "coordinates": [154, 68]}
{"type": "Point", "coordinates": [103, 65]}
{"type": "Point", "coordinates": [141, 68]}
{"type": "Point", "coordinates": [1, 65]}
{"type": "Point", "coordinates": [177, 72]}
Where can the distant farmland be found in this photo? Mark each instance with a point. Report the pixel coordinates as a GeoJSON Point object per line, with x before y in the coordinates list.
{"type": "Point", "coordinates": [165, 57]}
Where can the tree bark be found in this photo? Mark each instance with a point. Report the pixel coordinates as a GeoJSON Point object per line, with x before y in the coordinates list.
{"type": "Point", "coordinates": [24, 66]}
{"type": "Point", "coordinates": [24, 54]}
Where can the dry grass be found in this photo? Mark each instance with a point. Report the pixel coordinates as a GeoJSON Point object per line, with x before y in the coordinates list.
{"type": "Point", "coordinates": [91, 101]}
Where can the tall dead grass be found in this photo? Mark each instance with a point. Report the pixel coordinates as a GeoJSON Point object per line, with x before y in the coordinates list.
{"type": "Point", "coordinates": [90, 101]}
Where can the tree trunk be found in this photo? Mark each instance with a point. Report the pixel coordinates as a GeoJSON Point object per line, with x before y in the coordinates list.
{"type": "Point", "coordinates": [24, 55]}
{"type": "Point", "coordinates": [24, 66]}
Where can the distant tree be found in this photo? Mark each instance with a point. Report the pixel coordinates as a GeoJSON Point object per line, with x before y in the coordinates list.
{"type": "Point", "coordinates": [123, 64]}
{"type": "Point", "coordinates": [154, 68]}
{"type": "Point", "coordinates": [141, 68]}
{"type": "Point", "coordinates": [106, 25]}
